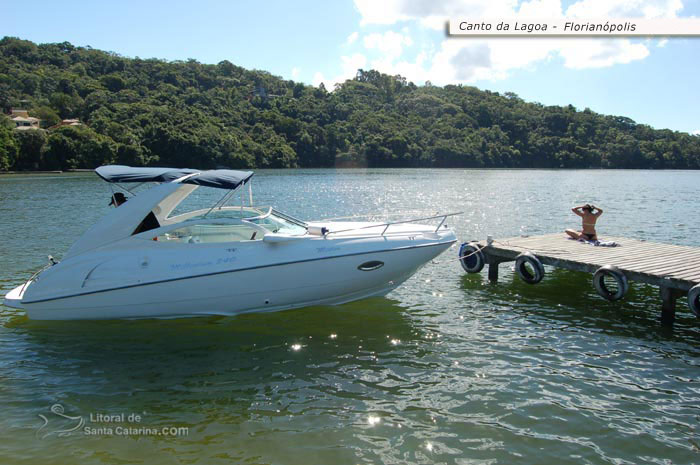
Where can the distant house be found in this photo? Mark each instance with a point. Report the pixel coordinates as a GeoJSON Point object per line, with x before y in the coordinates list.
{"type": "Point", "coordinates": [23, 121]}
{"type": "Point", "coordinates": [67, 122]}
{"type": "Point", "coordinates": [17, 112]}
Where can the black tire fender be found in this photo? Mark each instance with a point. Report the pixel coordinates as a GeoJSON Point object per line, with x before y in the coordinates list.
{"type": "Point", "coordinates": [471, 257]}
{"type": "Point", "coordinates": [609, 271]}
{"type": "Point", "coordinates": [521, 262]}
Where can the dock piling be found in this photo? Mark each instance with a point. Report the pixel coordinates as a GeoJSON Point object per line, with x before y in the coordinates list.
{"type": "Point", "coordinates": [493, 269]}
{"type": "Point", "coordinates": [669, 296]}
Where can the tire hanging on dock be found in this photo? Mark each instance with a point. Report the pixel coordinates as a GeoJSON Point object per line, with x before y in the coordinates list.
{"type": "Point", "coordinates": [694, 300]}
{"type": "Point", "coordinates": [613, 272]}
{"type": "Point", "coordinates": [529, 268]}
{"type": "Point", "coordinates": [471, 257]}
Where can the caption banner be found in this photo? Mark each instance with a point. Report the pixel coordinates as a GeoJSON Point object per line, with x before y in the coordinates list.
{"type": "Point", "coordinates": [575, 27]}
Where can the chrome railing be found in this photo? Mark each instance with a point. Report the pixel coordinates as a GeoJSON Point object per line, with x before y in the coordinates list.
{"type": "Point", "coordinates": [391, 223]}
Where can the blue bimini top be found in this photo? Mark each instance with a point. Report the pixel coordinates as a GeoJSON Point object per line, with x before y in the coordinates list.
{"type": "Point", "coordinates": [222, 179]}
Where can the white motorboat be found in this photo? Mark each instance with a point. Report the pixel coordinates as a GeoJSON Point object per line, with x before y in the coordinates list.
{"type": "Point", "coordinates": [143, 261]}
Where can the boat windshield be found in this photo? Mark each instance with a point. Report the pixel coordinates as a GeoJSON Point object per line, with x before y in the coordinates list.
{"type": "Point", "coordinates": [231, 224]}
{"type": "Point", "coordinates": [277, 222]}
{"type": "Point", "coordinates": [267, 217]}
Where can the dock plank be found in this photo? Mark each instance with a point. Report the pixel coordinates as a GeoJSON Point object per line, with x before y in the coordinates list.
{"type": "Point", "coordinates": [663, 258]}
{"type": "Point", "coordinates": [665, 262]}
{"type": "Point", "coordinates": [672, 266]}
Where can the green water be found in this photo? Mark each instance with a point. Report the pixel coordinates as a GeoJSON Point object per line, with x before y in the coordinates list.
{"type": "Point", "coordinates": [448, 369]}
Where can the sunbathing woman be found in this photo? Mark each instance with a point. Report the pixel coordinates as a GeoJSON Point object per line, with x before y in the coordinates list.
{"type": "Point", "coordinates": [589, 215]}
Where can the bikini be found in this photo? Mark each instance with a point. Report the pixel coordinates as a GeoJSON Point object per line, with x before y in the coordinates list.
{"type": "Point", "coordinates": [589, 236]}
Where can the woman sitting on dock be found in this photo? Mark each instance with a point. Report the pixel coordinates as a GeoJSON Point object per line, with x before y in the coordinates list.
{"type": "Point", "coordinates": [589, 215]}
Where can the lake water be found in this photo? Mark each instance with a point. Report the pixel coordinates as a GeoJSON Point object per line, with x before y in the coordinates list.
{"type": "Point", "coordinates": [447, 369]}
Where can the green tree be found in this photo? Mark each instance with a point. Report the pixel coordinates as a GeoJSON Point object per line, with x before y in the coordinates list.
{"type": "Point", "coordinates": [31, 146]}
{"type": "Point", "coordinates": [47, 115]}
{"type": "Point", "coordinates": [73, 147]}
{"type": "Point", "coordinates": [113, 82]}
{"type": "Point", "coordinates": [8, 145]}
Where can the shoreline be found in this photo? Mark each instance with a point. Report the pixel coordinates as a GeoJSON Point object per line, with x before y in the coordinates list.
{"type": "Point", "coordinates": [77, 170]}
{"type": "Point", "coordinates": [89, 170]}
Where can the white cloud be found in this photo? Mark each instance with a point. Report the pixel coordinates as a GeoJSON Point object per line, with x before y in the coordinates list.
{"type": "Point", "coordinates": [540, 9]}
{"type": "Point", "coordinates": [385, 12]}
{"type": "Point", "coordinates": [437, 13]}
{"type": "Point", "coordinates": [430, 13]}
{"type": "Point", "coordinates": [696, 132]}
{"type": "Point", "coordinates": [349, 66]}
{"type": "Point", "coordinates": [318, 79]}
{"type": "Point", "coordinates": [599, 53]}
{"type": "Point", "coordinates": [352, 38]}
{"type": "Point", "coordinates": [295, 72]}
{"type": "Point", "coordinates": [625, 8]}
{"type": "Point", "coordinates": [415, 69]}
{"type": "Point", "coordinates": [390, 43]}
{"type": "Point", "coordinates": [469, 60]}
{"type": "Point", "coordinates": [355, 61]}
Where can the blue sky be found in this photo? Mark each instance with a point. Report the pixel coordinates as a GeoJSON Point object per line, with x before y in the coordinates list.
{"type": "Point", "coordinates": [653, 81]}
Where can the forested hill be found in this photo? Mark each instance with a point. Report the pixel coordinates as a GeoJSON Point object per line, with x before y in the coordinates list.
{"type": "Point", "coordinates": [188, 114]}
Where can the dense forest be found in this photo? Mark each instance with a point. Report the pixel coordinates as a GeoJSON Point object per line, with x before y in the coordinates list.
{"type": "Point", "coordinates": [188, 114]}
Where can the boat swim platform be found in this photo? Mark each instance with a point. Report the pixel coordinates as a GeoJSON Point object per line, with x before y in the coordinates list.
{"type": "Point", "coordinates": [675, 269]}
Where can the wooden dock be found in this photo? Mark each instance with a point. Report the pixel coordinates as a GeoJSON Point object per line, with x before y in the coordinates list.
{"type": "Point", "coordinates": [674, 269]}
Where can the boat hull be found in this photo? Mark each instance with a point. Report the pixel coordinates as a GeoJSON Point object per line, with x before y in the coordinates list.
{"type": "Point", "coordinates": [271, 287]}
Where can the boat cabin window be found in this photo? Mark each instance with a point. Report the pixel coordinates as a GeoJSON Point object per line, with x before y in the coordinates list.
{"type": "Point", "coordinates": [208, 233]}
